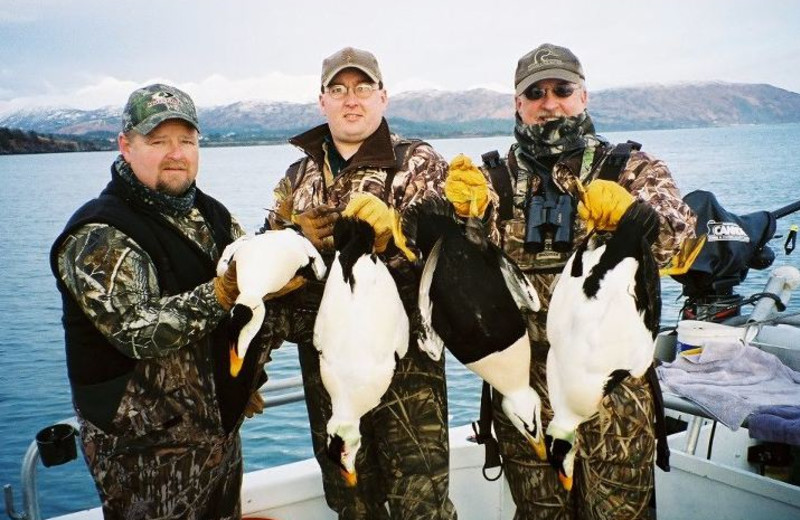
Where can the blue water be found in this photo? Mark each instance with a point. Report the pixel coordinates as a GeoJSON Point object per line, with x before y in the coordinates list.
{"type": "Point", "coordinates": [748, 167]}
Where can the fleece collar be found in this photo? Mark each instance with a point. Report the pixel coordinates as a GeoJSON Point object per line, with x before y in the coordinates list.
{"type": "Point", "coordinates": [375, 152]}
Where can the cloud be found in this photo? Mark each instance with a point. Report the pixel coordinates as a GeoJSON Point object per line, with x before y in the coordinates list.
{"type": "Point", "coordinates": [213, 90]}
{"type": "Point", "coordinates": [275, 86]}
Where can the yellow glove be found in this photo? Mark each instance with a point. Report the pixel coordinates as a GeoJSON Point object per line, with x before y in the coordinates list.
{"type": "Point", "coordinates": [225, 287]}
{"type": "Point", "coordinates": [466, 188]}
{"type": "Point", "coordinates": [602, 204]}
{"type": "Point", "coordinates": [375, 212]}
{"type": "Point", "coordinates": [683, 260]}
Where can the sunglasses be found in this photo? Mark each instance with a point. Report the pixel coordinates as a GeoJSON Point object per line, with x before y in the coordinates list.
{"type": "Point", "coordinates": [562, 90]}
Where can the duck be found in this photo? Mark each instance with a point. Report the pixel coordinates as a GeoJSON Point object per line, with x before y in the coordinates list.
{"type": "Point", "coordinates": [472, 301]}
{"type": "Point", "coordinates": [264, 264]}
{"type": "Point", "coordinates": [361, 331]}
{"type": "Point", "coordinates": [603, 318]}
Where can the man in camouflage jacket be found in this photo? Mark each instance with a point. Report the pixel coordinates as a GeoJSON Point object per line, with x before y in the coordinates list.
{"type": "Point", "coordinates": [556, 147]}
{"type": "Point", "coordinates": [403, 457]}
{"type": "Point", "coordinates": [145, 326]}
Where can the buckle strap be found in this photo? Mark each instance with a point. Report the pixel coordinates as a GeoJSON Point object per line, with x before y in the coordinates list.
{"type": "Point", "coordinates": [483, 434]}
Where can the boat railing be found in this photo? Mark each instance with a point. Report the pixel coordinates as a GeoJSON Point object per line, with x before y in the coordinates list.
{"type": "Point", "coordinates": [275, 393]}
{"type": "Point", "coordinates": [289, 390]}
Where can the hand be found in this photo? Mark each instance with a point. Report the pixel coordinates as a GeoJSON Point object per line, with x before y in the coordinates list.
{"type": "Point", "coordinates": [225, 287]}
{"type": "Point", "coordinates": [295, 283]}
{"type": "Point", "coordinates": [375, 212]}
{"type": "Point", "coordinates": [316, 224]}
{"type": "Point", "coordinates": [466, 187]}
{"type": "Point", "coordinates": [254, 405]}
{"type": "Point", "coordinates": [602, 205]}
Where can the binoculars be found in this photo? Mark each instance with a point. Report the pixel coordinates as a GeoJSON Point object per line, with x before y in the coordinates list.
{"type": "Point", "coordinates": [546, 215]}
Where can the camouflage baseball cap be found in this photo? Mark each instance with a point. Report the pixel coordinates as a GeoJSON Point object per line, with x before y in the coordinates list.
{"type": "Point", "coordinates": [347, 58]}
{"type": "Point", "coordinates": [150, 106]}
{"type": "Point", "coordinates": [547, 61]}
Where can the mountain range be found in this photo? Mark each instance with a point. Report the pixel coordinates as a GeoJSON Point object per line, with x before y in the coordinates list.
{"type": "Point", "coordinates": [432, 113]}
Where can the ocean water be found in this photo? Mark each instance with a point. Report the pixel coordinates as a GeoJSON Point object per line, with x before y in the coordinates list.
{"type": "Point", "coordinates": [749, 168]}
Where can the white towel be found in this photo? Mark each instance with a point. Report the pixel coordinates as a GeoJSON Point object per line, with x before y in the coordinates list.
{"type": "Point", "coordinates": [731, 380]}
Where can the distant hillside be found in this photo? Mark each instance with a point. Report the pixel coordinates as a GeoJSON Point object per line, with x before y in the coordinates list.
{"type": "Point", "coordinates": [431, 114]}
{"type": "Point", "coordinates": [694, 105]}
{"type": "Point", "coordinates": [16, 141]}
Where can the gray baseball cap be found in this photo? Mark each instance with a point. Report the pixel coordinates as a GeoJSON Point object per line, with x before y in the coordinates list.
{"type": "Point", "coordinates": [350, 57]}
{"type": "Point", "coordinates": [547, 61]}
{"type": "Point", "coordinates": [150, 106]}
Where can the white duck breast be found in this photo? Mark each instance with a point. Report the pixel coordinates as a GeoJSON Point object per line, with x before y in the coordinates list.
{"type": "Point", "coordinates": [472, 298]}
{"type": "Point", "coordinates": [264, 264]}
{"type": "Point", "coordinates": [601, 324]}
{"type": "Point", "coordinates": [360, 331]}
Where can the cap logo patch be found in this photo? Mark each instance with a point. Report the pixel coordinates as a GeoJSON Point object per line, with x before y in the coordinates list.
{"type": "Point", "coordinates": [543, 57]}
{"type": "Point", "coordinates": [164, 98]}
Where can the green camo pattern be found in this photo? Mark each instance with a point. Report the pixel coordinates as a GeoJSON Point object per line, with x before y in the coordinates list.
{"type": "Point", "coordinates": [150, 106]}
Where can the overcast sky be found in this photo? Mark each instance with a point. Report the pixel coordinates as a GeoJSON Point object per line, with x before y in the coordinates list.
{"type": "Point", "coordinates": [92, 53]}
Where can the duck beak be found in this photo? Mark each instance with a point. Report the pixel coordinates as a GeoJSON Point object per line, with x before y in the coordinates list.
{"type": "Point", "coordinates": [565, 481]}
{"type": "Point", "coordinates": [236, 361]}
{"type": "Point", "coordinates": [539, 448]}
{"type": "Point", "coordinates": [350, 479]}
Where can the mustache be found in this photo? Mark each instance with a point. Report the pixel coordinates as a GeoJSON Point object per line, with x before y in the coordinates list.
{"type": "Point", "coordinates": [174, 165]}
{"type": "Point", "coordinates": [548, 114]}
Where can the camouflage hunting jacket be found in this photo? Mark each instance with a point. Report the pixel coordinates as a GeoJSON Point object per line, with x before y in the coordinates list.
{"type": "Point", "coordinates": [645, 177]}
{"type": "Point", "coordinates": [423, 172]}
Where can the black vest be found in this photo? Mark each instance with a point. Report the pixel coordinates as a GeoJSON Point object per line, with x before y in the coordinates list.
{"type": "Point", "coordinates": [98, 372]}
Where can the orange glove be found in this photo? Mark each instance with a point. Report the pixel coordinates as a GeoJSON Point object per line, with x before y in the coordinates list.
{"type": "Point", "coordinates": [375, 212]}
{"type": "Point", "coordinates": [316, 225]}
{"type": "Point", "coordinates": [602, 204]}
{"type": "Point", "coordinates": [225, 287]}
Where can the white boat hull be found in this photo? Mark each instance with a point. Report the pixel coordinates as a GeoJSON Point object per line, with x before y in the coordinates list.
{"type": "Point", "coordinates": [724, 487]}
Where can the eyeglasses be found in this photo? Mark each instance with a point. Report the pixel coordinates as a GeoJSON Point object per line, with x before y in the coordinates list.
{"type": "Point", "coordinates": [362, 90]}
{"type": "Point", "coordinates": [562, 90]}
